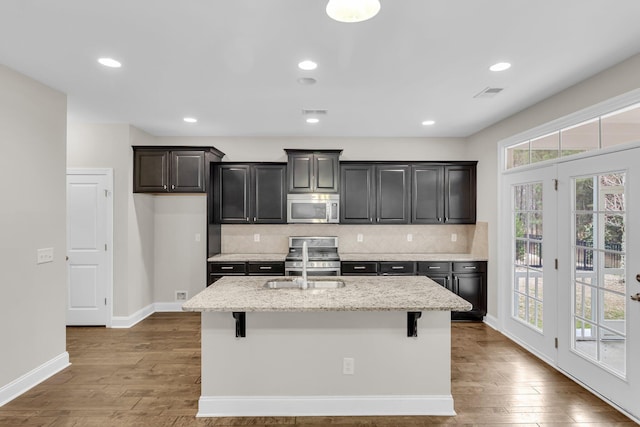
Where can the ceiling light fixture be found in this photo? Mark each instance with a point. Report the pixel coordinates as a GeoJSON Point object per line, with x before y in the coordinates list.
{"type": "Point", "coordinates": [500, 66]}
{"type": "Point", "coordinates": [428, 123]}
{"type": "Point", "coordinates": [313, 120]}
{"type": "Point", "coordinates": [307, 65]}
{"type": "Point", "coordinates": [352, 10]}
{"type": "Point", "coordinates": [190, 120]}
{"type": "Point", "coordinates": [109, 62]}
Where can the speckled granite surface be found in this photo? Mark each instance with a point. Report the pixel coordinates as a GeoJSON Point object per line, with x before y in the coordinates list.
{"type": "Point", "coordinates": [353, 257]}
{"type": "Point", "coordinates": [368, 293]}
{"type": "Point", "coordinates": [409, 257]}
{"type": "Point", "coordinates": [248, 257]}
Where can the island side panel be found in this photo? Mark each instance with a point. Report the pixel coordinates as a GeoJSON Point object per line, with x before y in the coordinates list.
{"type": "Point", "coordinates": [292, 364]}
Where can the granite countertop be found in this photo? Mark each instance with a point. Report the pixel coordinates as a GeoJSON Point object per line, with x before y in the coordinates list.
{"type": "Point", "coordinates": [366, 293]}
{"type": "Point", "coordinates": [352, 257]}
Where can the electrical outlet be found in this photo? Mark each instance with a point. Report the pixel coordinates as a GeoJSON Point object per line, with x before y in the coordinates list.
{"type": "Point", "coordinates": [454, 237]}
{"type": "Point", "coordinates": [182, 295]}
{"type": "Point", "coordinates": [44, 255]}
{"type": "Point", "coordinates": [409, 237]}
{"type": "Point", "coordinates": [197, 237]}
{"type": "Point", "coordinates": [348, 365]}
{"type": "Point", "coordinates": [256, 237]}
{"type": "Point", "coordinates": [360, 237]}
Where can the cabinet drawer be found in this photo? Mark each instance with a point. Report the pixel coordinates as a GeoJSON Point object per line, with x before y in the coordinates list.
{"type": "Point", "coordinates": [266, 268]}
{"type": "Point", "coordinates": [392, 267]}
{"type": "Point", "coordinates": [433, 267]}
{"type": "Point", "coordinates": [469, 267]}
{"type": "Point", "coordinates": [352, 268]}
{"type": "Point", "coordinates": [227, 268]}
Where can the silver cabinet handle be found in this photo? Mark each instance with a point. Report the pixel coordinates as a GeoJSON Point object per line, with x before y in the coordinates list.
{"type": "Point", "coordinates": [225, 267]}
{"type": "Point", "coordinates": [397, 267]}
{"type": "Point", "coordinates": [432, 267]}
{"type": "Point", "coordinates": [265, 267]}
{"type": "Point", "coordinates": [359, 267]}
{"type": "Point", "coordinates": [254, 219]}
{"type": "Point", "coordinates": [173, 187]}
{"type": "Point", "coordinates": [164, 186]}
{"type": "Point", "coordinates": [469, 267]}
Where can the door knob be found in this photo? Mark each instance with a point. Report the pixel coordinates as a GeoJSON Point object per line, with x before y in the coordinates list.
{"type": "Point", "coordinates": [636, 297]}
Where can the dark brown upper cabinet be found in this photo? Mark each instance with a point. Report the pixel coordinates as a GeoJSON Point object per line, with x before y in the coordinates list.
{"type": "Point", "coordinates": [172, 169]}
{"type": "Point", "coordinates": [313, 171]}
{"type": "Point", "coordinates": [250, 193]}
{"type": "Point", "coordinates": [444, 194]}
{"type": "Point", "coordinates": [374, 193]}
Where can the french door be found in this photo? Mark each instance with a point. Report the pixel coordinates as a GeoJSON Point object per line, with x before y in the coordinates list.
{"type": "Point", "coordinates": [599, 260]}
{"type": "Point", "coordinates": [529, 246]}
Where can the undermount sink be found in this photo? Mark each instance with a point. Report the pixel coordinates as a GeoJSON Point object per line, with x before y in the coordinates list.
{"type": "Point", "coordinates": [311, 284]}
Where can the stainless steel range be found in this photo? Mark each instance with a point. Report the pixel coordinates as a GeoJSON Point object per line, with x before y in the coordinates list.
{"type": "Point", "coordinates": [323, 256]}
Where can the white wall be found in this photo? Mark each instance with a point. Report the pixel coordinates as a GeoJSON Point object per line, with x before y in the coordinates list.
{"type": "Point", "coordinates": [483, 146]}
{"type": "Point", "coordinates": [32, 215]}
{"type": "Point", "coordinates": [109, 146]}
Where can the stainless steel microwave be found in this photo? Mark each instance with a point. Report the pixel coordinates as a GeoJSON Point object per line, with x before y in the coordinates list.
{"type": "Point", "coordinates": [313, 208]}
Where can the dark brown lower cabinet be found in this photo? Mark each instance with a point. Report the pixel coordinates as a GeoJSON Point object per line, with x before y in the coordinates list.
{"type": "Point", "coordinates": [217, 270]}
{"type": "Point", "coordinates": [465, 279]}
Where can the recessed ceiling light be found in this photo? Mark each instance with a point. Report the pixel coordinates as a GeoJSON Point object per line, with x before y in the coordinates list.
{"type": "Point", "coordinates": [313, 120]}
{"type": "Point", "coordinates": [500, 66]}
{"type": "Point", "coordinates": [190, 120]}
{"type": "Point", "coordinates": [428, 123]}
{"type": "Point", "coordinates": [110, 62]}
{"type": "Point", "coordinates": [307, 65]}
{"type": "Point", "coordinates": [352, 10]}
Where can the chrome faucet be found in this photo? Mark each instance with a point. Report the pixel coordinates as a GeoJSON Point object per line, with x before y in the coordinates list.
{"type": "Point", "coordinates": [305, 261]}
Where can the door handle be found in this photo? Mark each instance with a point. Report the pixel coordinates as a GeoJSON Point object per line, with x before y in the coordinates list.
{"type": "Point", "coordinates": [636, 297]}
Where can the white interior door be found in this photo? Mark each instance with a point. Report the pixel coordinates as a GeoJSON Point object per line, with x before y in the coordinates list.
{"type": "Point", "coordinates": [88, 247]}
{"type": "Point", "coordinates": [599, 248]}
{"type": "Point", "coordinates": [528, 303]}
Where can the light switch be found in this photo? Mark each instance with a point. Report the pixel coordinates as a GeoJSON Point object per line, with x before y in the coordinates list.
{"type": "Point", "coordinates": [360, 237]}
{"type": "Point", "coordinates": [454, 237]}
{"type": "Point", "coordinates": [256, 237]}
{"type": "Point", "coordinates": [409, 237]}
{"type": "Point", "coordinates": [44, 255]}
{"type": "Point", "coordinates": [197, 237]}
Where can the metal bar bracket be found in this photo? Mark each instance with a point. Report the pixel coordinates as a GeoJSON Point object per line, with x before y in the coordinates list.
{"type": "Point", "coordinates": [412, 323]}
{"type": "Point", "coordinates": [241, 323]}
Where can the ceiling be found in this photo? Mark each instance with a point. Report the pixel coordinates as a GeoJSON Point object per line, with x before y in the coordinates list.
{"type": "Point", "coordinates": [232, 64]}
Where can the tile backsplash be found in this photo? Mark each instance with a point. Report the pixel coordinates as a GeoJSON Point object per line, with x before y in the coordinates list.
{"type": "Point", "coordinates": [409, 238]}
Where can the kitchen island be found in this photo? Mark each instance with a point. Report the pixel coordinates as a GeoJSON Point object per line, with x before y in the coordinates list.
{"type": "Point", "coordinates": [381, 345]}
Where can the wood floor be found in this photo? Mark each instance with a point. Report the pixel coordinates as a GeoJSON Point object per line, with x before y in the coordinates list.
{"type": "Point", "coordinates": [149, 376]}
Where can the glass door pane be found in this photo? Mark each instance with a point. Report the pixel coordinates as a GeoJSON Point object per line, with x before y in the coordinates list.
{"type": "Point", "coordinates": [599, 290]}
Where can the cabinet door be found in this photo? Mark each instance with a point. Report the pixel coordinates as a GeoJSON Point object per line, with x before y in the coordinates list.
{"type": "Point", "coordinates": [326, 173]}
{"type": "Point", "coordinates": [472, 287]}
{"type": "Point", "coordinates": [269, 198]}
{"type": "Point", "coordinates": [231, 200]}
{"type": "Point", "coordinates": [357, 194]}
{"type": "Point", "coordinates": [460, 194]}
{"type": "Point", "coordinates": [358, 268]}
{"type": "Point", "coordinates": [187, 172]}
{"type": "Point", "coordinates": [443, 280]}
{"type": "Point", "coordinates": [392, 194]}
{"type": "Point", "coordinates": [427, 201]}
{"type": "Point", "coordinates": [151, 171]}
{"type": "Point", "coordinates": [300, 173]}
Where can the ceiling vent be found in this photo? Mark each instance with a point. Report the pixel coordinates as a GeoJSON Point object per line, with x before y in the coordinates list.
{"type": "Point", "coordinates": [489, 92]}
{"type": "Point", "coordinates": [314, 112]}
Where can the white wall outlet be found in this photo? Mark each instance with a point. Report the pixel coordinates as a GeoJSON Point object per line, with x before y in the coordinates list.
{"type": "Point", "coordinates": [454, 237]}
{"type": "Point", "coordinates": [198, 237]}
{"type": "Point", "coordinates": [409, 237]}
{"type": "Point", "coordinates": [182, 295]}
{"type": "Point", "coordinates": [256, 237]}
{"type": "Point", "coordinates": [44, 255]}
{"type": "Point", "coordinates": [360, 238]}
{"type": "Point", "coordinates": [348, 365]}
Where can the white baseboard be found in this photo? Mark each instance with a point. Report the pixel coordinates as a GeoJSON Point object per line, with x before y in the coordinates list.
{"type": "Point", "coordinates": [492, 322]}
{"type": "Point", "coordinates": [288, 406]}
{"type": "Point", "coordinates": [168, 306]}
{"type": "Point", "coordinates": [129, 321]}
{"type": "Point", "coordinates": [33, 378]}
